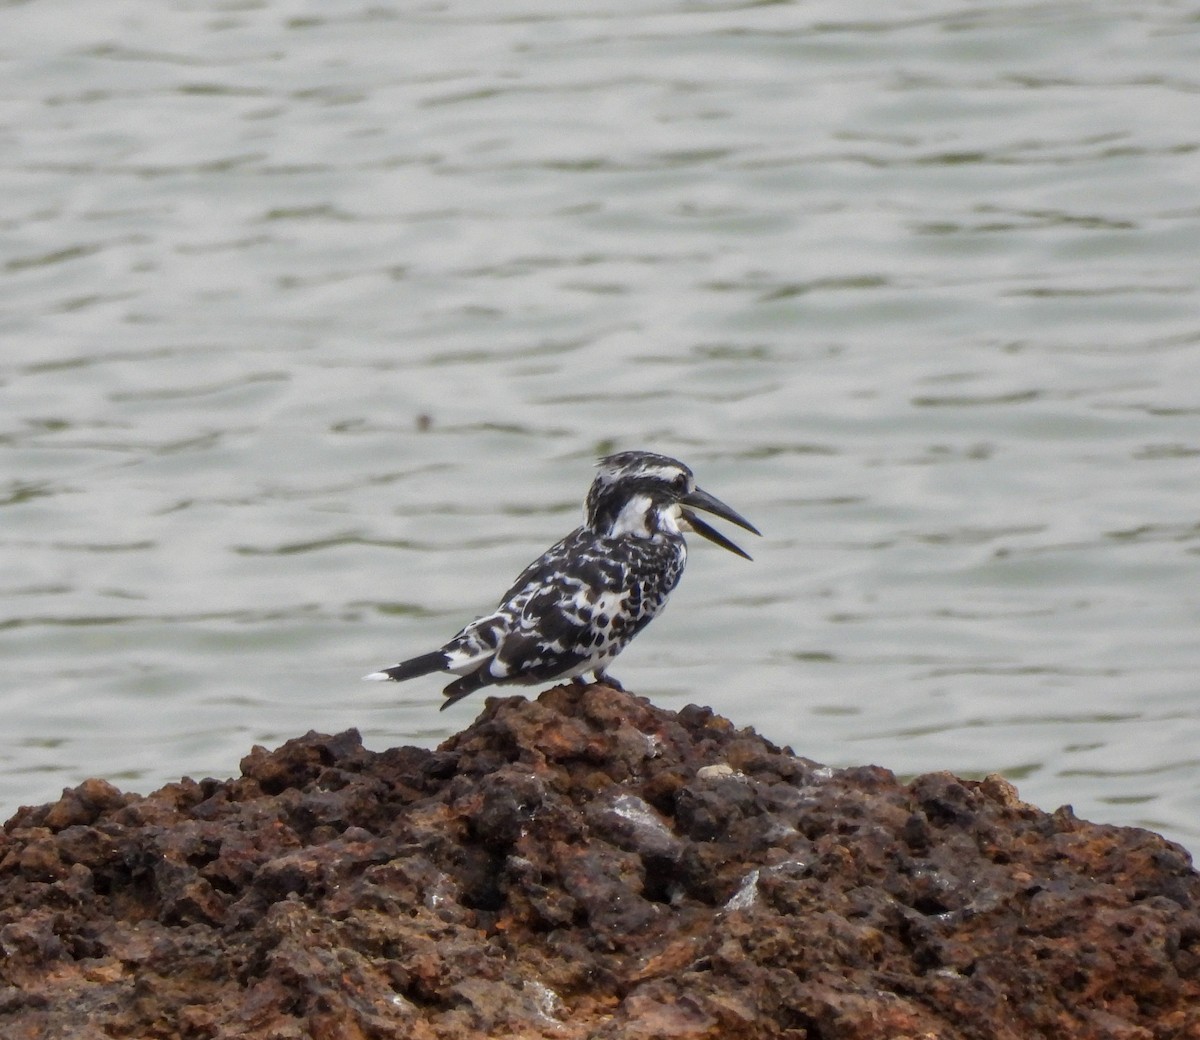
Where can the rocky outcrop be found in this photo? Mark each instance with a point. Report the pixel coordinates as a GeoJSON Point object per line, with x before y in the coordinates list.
{"type": "Point", "coordinates": [587, 865]}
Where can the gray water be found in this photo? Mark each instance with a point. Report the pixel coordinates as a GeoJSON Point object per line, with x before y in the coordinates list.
{"type": "Point", "coordinates": [314, 318]}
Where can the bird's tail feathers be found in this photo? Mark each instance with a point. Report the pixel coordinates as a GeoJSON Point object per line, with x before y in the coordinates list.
{"type": "Point", "coordinates": [423, 665]}
{"type": "Point", "coordinates": [468, 684]}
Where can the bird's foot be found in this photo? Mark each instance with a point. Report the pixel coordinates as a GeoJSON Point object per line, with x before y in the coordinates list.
{"type": "Point", "coordinates": [610, 681]}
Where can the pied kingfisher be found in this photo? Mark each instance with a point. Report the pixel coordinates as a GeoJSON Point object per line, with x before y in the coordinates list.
{"type": "Point", "coordinates": [577, 606]}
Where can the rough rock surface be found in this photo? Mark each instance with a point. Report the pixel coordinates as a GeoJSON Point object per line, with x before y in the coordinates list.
{"type": "Point", "coordinates": [587, 865]}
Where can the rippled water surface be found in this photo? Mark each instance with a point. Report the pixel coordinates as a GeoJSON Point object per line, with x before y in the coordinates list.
{"type": "Point", "coordinates": [314, 318]}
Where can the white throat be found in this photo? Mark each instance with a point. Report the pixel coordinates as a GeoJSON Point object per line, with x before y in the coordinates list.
{"type": "Point", "coordinates": [640, 519]}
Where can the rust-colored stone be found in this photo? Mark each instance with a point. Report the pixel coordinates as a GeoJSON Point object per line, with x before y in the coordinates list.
{"type": "Point", "coordinates": [587, 865]}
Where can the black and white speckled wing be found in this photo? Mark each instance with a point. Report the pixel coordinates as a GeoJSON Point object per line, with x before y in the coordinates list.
{"type": "Point", "coordinates": [571, 611]}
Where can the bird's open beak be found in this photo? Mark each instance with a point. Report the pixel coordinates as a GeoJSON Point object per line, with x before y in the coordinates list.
{"type": "Point", "coordinates": [703, 500]}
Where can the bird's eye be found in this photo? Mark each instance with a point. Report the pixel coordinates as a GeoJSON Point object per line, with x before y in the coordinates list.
{"type": "Point", "coordinates": [681, 483]}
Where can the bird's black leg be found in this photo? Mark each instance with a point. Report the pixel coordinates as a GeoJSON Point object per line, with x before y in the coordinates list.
{"type": "Point", "coordinates": [578, 680]}
{"type": "Point", "coordinates": [603, 677]}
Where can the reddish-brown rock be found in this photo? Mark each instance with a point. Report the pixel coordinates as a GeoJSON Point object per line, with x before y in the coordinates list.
{"type": "Point", "coordinates": [587, 865]}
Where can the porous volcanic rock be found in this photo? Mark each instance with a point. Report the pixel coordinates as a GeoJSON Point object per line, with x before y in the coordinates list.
{"type": "Point", "coordinates": [587, 865]}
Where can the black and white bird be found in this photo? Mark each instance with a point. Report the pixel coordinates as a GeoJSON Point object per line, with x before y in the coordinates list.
{"type": "Point", "coordinates": [579, 604]}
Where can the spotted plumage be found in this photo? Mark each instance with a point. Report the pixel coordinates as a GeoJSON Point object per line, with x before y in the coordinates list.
{"type": "Point", "coordinates": [576, 607]}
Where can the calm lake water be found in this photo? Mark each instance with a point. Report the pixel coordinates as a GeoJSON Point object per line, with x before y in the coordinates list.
{"type": "Point", "coordinates": [314, 319]}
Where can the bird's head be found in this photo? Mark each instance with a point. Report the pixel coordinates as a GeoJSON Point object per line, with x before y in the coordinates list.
{"type": "Point", "coordinates": [639, 494]}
